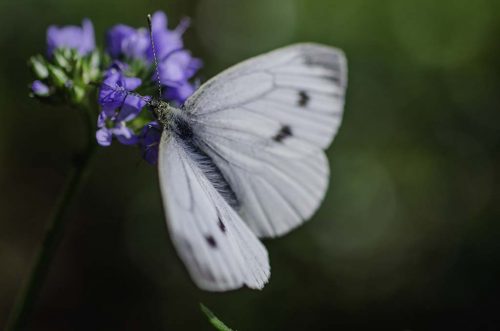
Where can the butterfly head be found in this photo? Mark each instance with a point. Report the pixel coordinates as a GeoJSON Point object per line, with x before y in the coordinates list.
{"type": "Point", "coordinates": [163, 111]}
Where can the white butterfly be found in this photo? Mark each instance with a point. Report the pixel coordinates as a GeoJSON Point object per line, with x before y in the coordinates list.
{"type": "Point", "coordinates": [244, 159]}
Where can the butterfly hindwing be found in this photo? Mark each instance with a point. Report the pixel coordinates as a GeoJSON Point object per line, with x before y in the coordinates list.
{"type": "Point", "coordinates": [265, 123]}
{"type": "Point", "coordinates": [218, 248]}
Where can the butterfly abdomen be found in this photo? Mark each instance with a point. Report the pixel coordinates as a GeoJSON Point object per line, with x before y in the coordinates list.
{"type": "Point", "coordinates": [183, 131]}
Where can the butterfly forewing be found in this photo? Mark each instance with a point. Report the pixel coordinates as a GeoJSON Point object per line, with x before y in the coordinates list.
{"type": "Point", "coordinates": [265, 123]}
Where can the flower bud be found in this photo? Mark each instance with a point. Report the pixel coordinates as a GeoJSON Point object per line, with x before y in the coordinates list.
{"type": "Point", "coordinates": [77, 93]}
{"type": "Point", "coordinates": [58, 76]}
{"type": "Point", "coordinates": [88, 71]}
{"type": "Point", "coordinates": [39, 67]}
{"type": "Point", "coordinates": [39, 89]}
{"type": "Point", "coordinates": [61, 60]}
{"type": "Point", "coordinates": [94, 62]}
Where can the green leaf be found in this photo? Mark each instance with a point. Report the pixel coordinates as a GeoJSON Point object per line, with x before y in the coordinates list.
{"type": "Point", "coordinates": [217, 323]}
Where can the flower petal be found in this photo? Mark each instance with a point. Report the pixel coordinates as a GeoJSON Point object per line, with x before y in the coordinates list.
{"type": "Point", "coordinates": [87, 44]}
{"type": "Point", "coordinates": [131, 83]}
{"type": "Point", "coordinates": [115, 37]}
{"type": "Point", "coordinates": [178, 67]}
{"type": "Point", "coordinates": [180, 93]}
{"type": "Point", "coordinates": [114, 89]}
{"type": "Point", "coordinates": [159, 21]}
{"type": "Point", "coordinates": [132, 106]}
{"type": "Point", "coordinates": [80, 38]}
{"type": "Point", "coordinates": [150, 140]}
{"type": "Point", "coordinates": [136, 45]}
{"type": "Point", "coordinates": [101, 120]}
{"type": "Point", "coordinates": [165, 40]}
{"type": "Point", "coordinates": [111, 98]}
{"type": "Point", "coordinates": [103, 137]}
{"type": "Point", "coordinates": [124, 134]}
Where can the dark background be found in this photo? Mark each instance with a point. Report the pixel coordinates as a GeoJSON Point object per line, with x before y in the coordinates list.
{"type": "Point", "coordinates": [407, 238]}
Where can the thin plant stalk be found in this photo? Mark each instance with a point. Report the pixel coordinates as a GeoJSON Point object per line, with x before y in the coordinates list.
{"type": "Point", "coordinates": [54, 232]}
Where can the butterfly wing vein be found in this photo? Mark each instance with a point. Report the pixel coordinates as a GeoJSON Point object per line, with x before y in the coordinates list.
{"type": "Point", "coordinates": [265, 122]}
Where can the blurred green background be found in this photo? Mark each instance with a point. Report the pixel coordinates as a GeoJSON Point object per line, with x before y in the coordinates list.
{"type": "Point", "coordinates": [407, 238]}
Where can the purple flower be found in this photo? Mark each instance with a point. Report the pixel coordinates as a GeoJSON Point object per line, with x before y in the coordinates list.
{"type": "Point", "coordinates": [75, 37]}
{"type": "Point", "coordinates": [112, 127]}
{"type": "Point", "coordinates": [177, 67]}
{"type": "Point", "coordinates": [40, 89]}
{"type": "Point", "coordinates": [114, 89]}
{"type": "Point", "coordinates": [180, 93]}
{"type": "Point", "coordinates": [149, 141]}
{"type": "Point", "coordinates": [123, 40]}
{"type": "Point", "coordinates": [166, 41]}
{"type": "Point", "coordinates": [119, 106]}
{"type": "Point", "coordinates": [115, 125]}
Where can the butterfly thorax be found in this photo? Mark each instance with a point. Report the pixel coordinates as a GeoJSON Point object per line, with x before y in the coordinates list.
{"type": "Point", "coordinates": [165, 113]}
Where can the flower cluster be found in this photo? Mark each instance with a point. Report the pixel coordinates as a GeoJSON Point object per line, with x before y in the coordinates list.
{"type": "Point", "coordinates": [124, 72]}
{"type": "Point", "coordinates": [71, 65]}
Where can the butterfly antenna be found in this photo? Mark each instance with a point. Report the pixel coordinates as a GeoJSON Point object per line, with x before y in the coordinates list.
{"type": "Point", "coordinates": [150, 26]}
{"type": "Point", "coordinates": [146, 99]}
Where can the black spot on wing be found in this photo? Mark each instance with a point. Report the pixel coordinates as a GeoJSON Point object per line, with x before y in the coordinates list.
{"type": "Point", "coordinates": [211, 241]}
{"type": "Point", "coordinates": [221, 225]}
{"type": "Point", "coordinates": [328, 60]}
{"type": "Point", "coordinates": [323, 59]}
{"type": "Point", "coordinates": [283, 133]}
{"type": "Point", "coordinates": [303, 99]}
{"type": "Point", "coordinates": [332, 78]}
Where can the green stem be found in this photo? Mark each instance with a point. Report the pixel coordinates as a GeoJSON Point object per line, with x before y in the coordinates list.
{"type": "Point", "coordinates": [26, 299]}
